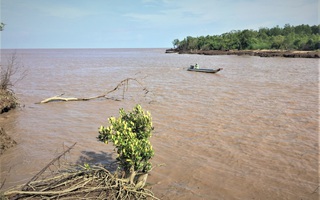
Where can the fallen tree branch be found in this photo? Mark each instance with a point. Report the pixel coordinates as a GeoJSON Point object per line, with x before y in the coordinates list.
{"type": "Point", "coordinates": [124, 83]}
{"type": "Point", "coordinates": [59, 98]}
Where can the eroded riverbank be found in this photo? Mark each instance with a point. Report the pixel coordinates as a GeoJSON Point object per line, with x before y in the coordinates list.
{"type": "Point", "coordinates": [7, 102]}
{"type": "Point", "coordinates": [261, 53]}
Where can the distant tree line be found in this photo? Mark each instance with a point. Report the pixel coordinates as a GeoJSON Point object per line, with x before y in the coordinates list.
{"type": "Point", "coordinates": [301, 37]}
{"type": "Point", "coordinates": [1, 26]}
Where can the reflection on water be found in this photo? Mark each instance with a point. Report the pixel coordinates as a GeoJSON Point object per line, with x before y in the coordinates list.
{"type": "Point", "coordinates": [247, 132]}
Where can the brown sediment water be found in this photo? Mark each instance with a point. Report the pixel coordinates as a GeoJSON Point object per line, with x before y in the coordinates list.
{"type": "Point", "coordinates": [250, 131]}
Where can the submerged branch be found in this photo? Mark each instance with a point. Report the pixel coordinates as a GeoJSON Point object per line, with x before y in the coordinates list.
{"type": "Point", "coordinates": [46, 167]}
{"type": "Point", "coordinates": [124, 83]}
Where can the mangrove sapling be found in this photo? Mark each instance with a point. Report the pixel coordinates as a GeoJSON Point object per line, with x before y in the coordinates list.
{"type": "Point", "coordinates": [130, 135]}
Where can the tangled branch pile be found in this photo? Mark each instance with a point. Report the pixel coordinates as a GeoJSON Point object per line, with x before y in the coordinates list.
{"type": "Point", "coordinates": [93, 183]}
{"type": "Point", "coordinates": [88, 182]}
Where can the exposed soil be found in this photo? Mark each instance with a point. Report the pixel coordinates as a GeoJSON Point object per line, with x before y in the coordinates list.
{"type": "Point", "coordinates": [6, 141]}
{"type": "Point", "coordinates": [7, 102]}
{"type": "Point", "coordinates": [261, 53]}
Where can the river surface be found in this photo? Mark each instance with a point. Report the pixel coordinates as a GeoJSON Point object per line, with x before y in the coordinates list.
{"type": "Point", "coordinates": [250, 131]}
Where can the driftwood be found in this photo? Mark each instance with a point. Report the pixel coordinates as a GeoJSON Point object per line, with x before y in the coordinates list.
{"type": "Point", "coordinates": [124, 83]}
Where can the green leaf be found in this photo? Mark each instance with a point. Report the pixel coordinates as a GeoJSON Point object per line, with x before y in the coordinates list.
{"type": "Point", "coordinates": [130, 134]}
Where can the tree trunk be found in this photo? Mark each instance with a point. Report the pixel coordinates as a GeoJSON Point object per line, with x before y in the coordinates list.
{"type": "Point", "coordinates": [130, 175]}
{"type": "Point", "coordinates": [141, 180]}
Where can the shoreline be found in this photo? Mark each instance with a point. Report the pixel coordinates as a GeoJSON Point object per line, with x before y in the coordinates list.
{"type": "Point", "coordinates": [7, 102]}
{"type": "Point", "coordinates": [261, 53]}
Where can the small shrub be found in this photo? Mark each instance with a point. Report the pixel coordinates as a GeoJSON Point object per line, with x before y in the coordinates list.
{"type": "Point", "coordinates": [130, 134]}
{"type": "Point", "coordinates": [11, 72]}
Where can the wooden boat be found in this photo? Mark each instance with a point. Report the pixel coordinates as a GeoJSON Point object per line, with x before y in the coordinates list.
{"type": "Point", "coordinates": [191, 68]}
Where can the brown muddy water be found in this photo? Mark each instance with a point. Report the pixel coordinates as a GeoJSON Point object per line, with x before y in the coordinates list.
{"type": "Point", "coordinates": [250, 131]}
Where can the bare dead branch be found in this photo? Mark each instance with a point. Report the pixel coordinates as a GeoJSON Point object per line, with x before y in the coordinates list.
{"type": "Point", "coordinates": [124, 84]}
{"type": "Point", "coordinates": [48, 165]}
{"type": "Point", "coordinates": [12, 72]}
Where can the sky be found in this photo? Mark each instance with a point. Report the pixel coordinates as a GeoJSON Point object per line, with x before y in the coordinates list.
{"type": "Point", "coordinates": [140, 23]}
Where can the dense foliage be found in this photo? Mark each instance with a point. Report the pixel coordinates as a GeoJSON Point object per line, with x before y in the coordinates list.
{"type": "Point", "coordinates": [1, 26]}
{"type": "Point", "coordinates": [301, 37]}
{"type": "Point", "coordinates": [130, 135]}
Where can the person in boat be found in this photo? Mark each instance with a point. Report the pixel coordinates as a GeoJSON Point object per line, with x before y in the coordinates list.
{"type": "Point", "coordinates": [196, 66]}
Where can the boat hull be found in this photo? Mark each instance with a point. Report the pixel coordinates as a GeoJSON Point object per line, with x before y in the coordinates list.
{"type": "Point", "coordinates": [205, 70]}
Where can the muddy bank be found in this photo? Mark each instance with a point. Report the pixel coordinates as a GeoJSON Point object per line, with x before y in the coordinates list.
{"type": "Point", "coordinates": [261, 53]}
{"type": "Point", "coordinates": [6, 141]}
{"type": "Point", "coordinates": [7, 102]}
